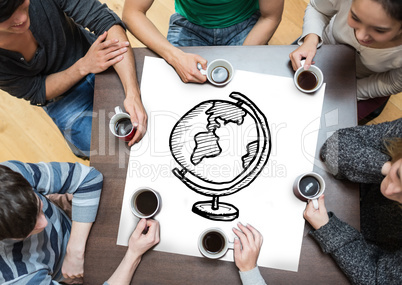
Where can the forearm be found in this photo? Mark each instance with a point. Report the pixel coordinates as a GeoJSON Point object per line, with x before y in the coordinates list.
{"type": "Point", "coordinates": [357, 153]}
{"type": "Point", "coordinates": [125, 271]}
{"type": "Point", "coordinates": [78, 239]}
{"type": "Point", "coordinates": [145, 31]}
{"type": "Point", "coordinates": [380, 84]}
{"type": "Point", "coordinates": [363, 263]}
{"type": "Point", "coordinates": [60, 82]}
{"type": "Point", "coordinates": [263, 31]}
{"type": "Point", "coordinates": [314, 21]}
{"type": "Point", "coordinates": [126, 67]}
{"type": "Point", "coordinates": [252, 277]}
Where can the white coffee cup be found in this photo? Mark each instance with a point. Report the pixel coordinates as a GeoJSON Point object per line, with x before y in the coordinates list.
{"type": "Point", "coordinates": [145, 202]}
{"type": "Point", "coordinates": [309, 186]}
{"type": "Point", "coordinates": [308, 81]}
{"type": "Point", "coordinates": [121, 118]}
{"type": "Point", "coordinates": [213, 243]}
{"type": "Point", "coordinates": [219, 72]}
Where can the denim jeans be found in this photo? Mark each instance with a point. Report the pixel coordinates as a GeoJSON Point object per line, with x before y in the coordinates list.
{"type": "Point", "coordinates": [184, 33]}
{"type": "Point", "coordinates": [72, 114]}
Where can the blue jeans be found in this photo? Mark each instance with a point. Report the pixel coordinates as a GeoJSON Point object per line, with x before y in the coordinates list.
{"type": "Point", "coordinates": [72, 113]}
{"type": "Point", "coordinates": [184, 33]}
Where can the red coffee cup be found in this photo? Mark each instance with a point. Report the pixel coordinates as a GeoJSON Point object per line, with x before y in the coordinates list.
{"type": "Point", "coordinates": [120, 125]}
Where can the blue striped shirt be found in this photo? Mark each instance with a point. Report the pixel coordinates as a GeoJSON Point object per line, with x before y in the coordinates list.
{"type": "Point", "coordinates": [38, 259]}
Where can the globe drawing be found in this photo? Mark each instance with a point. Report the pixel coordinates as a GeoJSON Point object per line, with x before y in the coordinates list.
{"type": "Point", "coordinates": [220, 146]}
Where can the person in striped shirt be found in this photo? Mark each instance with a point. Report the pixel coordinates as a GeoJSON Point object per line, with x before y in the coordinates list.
{"type": "Point", "coordinates": [39, 244]}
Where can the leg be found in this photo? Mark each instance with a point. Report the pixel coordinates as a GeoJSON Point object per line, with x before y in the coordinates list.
{"type": "Point", "coordinates": [73, 116]}
{"type": "Point", "coordinates": [183, 33]}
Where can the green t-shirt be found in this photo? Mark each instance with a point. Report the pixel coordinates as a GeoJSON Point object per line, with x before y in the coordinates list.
{"type": "Point", "coordinates": [215, 13]}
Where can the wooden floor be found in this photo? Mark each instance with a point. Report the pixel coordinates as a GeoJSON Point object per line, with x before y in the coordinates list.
{"type": "Point", "coordinates": [28, 134]}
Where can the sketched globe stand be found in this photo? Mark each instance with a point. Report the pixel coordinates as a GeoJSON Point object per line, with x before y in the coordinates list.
{"type": "Point", "coordinates": [191, 151]}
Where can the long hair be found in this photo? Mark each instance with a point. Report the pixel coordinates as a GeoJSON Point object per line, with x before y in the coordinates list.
{"type": "Point", "coordinates": [8, 7]}
{"type": "Point", "coordinates": [19, 205]}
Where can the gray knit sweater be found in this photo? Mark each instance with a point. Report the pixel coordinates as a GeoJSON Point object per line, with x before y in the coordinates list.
{"type": "Point", "coordinates": [374, 255]}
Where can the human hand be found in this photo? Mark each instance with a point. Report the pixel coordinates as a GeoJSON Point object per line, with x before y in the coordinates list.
{"type": "Point", "coordinates": [73, 265]}
{"type": "Point", "coordinates": [139, 118]}
{"type": "Point", "coordinates": [307, 50]}
{"type": "Point", "coordinates": [102, 54]}
{"type": "Point", "coordinates": [246, 247]}
{"type": "Point", "coordinates": [139, 242]}
{"type": "Point", "coordinates": [316, 218]}
{"type": "Point", "coordinates": [185, 65]}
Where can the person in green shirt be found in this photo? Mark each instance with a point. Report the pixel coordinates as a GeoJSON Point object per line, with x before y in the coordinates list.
{"type": "Point", "coordinates": [203, 23]}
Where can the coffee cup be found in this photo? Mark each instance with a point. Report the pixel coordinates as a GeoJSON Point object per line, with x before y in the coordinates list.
{"type": "Point", "coordinates": [309, 186]}
{"type": "Point", "coordinates": [219, 72]}
{"type": "Point", "coordinates": [120, 125]}
{"type": "Point", "coordinates": [213, 243]}
{"type": "Point", "coordinates": [310, 80]}
{"type": "Point", "coordinates": [145, 202]}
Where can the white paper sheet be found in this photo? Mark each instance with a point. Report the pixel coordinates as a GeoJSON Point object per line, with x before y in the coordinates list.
{"type": "Point", "coordinates": [268, 203]}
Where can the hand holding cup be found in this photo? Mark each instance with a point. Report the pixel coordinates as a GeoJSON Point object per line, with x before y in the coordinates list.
{"type": "Point", "coordinates": [219, 72]}
{"type": "Point", "coordinates": [309, 186]}
{"type": "Point", "coordinates": [120, 125]}
{"type": "Point", "coordinates": [308, 80]}
{"type": "Point", "coordinates": [316, 217]}
{"type": "Point", "coordinates": [213, 243]}
{"type": "Point", "coordinates": [247, 247]}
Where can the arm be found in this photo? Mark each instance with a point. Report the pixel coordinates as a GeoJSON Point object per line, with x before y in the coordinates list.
{"type": "Point", "coordinates": [102, 54]}
{"type": "Point", "coordinates": [105, 52]}
{"type": "Point", "coordinates": [358, 153]}
{"type": "Point", "coordinates": [185, 64]}
{"type": "Point", "coordinates": [263, 30]}
{"type": "Point", "coordinates": [139, 243]}
{"type": "Point", "coordinates": [247, 247]}
{"type": "Point", "coordinates": [380, 84]}
{"type": "Point", "coordinates": [73, 44]}
{"type": "Point", "coordinates": [73, 264]}
{"type": "Point", "coordinates": [317, 16]}
{"type": "Point", "coordinates": [362, 263]}
{"type": "Point", "coordinates": [128, 76]}
{"type": "Point", "coordinates": [85, 183]}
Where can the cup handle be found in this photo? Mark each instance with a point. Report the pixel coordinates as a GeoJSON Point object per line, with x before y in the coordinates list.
{"type": "Point", "coordinates": [117, 110]}
{"type": "Point", "coordinates": [203, 71]}
{"type": "Point", "coordinates": [315, 203]}
{"type": "Point", "coordinates": [230, 245]}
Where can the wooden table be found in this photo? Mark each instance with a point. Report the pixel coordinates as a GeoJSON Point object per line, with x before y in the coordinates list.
{"type": "Point", "coordinates": [111, 156]}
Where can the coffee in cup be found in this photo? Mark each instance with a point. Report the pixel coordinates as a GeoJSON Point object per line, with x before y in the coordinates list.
{"type": "Point", "coordinates": [213, 243]}
{"type": "Point", "coordinates": [309, 80]}
{"type": "Point", "coordinates": [120, 125]}
{"type": "Point", "coordinates": [145, 202]}
{"type": "Point", "coordinates": [219, 72]}
{"type": "Point", "coordinates": [309, 186]}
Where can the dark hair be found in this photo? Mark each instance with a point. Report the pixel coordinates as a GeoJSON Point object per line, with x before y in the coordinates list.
{"type": "Point", "coordinates": [392, 7]}
{"type": "Point", "coordinates": [8, 7]}
{"type": "Point", "coordinates": [19, 205]}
